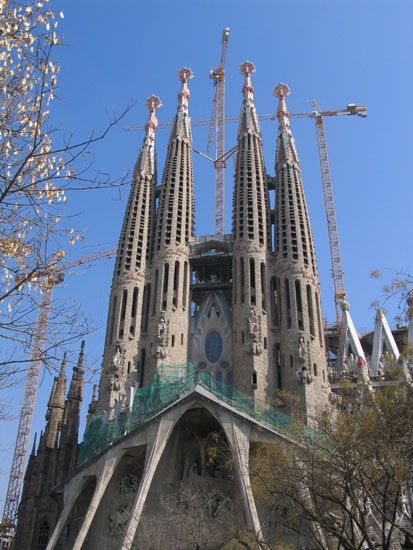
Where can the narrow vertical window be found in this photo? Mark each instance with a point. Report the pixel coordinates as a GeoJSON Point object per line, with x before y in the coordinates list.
{"type": "Point", "coordinates": [142, 367]}
{"type": "Point", "coordinates": [176, 284]}
{"type": "Point", "coordinates": [254, 379]}
{"type": "Point", "coordinates": [320, 330]}
{"type": "Point", "coordinates": [112, 320]}
{"type": "Point", "coordinates": [277, 360]}
{"type": "Point", "coordinates": [123, 313]}
{"type": "Point", "coordinates": [234, 282]}
{"type": "Point", "coordinates": [132, 327]}
{"type": "Point", "coordinates": [165, 286]}
{"type": "Point", "coordinates": [263, 289]}
{"type": "Point", "coordinates": [242, 280]}
{"type": "Point", "coordinates": [155, 292]}
{"type": "Point", "coordinates": [252, 273]}
{"type": "Point", "coordinates": [299, 305]}
{"type": "Point", "coordinates": [185, 286]}
{"type": "Point", "coordinates": [310, 310]}
{"type": "Point", "coordinates": [288, 301]}
{"type": "Point", "coordinates": [145, 307]}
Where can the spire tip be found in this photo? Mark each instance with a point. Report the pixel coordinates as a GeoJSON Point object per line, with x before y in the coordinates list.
{"type": "Point", "coordinates": [153, 102]}
{"type": "Point", "coordinates": [247, 68]}
{"type": "Point", "coordinates": [281, 90]}
{"type": "Point", "coordinates": [185, 74]}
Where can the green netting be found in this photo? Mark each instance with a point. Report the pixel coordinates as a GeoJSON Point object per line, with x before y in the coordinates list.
{"type": "Point", "coordinates": [170, 383]}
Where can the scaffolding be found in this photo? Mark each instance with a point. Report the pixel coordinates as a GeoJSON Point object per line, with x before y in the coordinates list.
{"type": "Point", "coordinates": [171, 383]}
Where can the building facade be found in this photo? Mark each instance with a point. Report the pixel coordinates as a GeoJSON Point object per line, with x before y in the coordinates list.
{"type": "Point", "coordinates": [203, 333]}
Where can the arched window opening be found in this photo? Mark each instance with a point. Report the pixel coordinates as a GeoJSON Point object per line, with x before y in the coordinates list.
{"type": "Point", "coordinates": [165, 286]}
{"type": "Point", "coordinates": [287, 301]}
{"type": "Point", "coordinates": [123, 313]}
{"type": "Point", "coordinates": [145, 307]}
{"type": "Point", "coordinates": [173, 340]}
{"type": "Point", "coordinates": [291, 362]}
{"type": "Point", "coordinates": [218, 377]}
{"type": "Point", "coordinates": [315, 369]}
{"type": "Point", "coordinates": [112, 320]}
{"type": "Point", "coordinates": [299, 305]}
{"type": "Point", "coordinates": [252, 273]}
{"type": "Point", "coordinates": [134, 307]}
{"type": "Point", "coordinates": [310, 310]}
{"type": "Point", "coordinates": [155, 292]}
{"type": "Point", "coordinates": [242, 280]}
{"type": "Point", "coordinates": [176, 284]}
{"type": "Point", "coordinates": [320, 329]}
{"type": "Point", "coordinates": [263, 289]}
{"type": "Point", "coordinates": [43, 535]}
{"type": "Point", "coordinates": [185, 285]}
{"type": "Point", "coordinates": [252, 282]}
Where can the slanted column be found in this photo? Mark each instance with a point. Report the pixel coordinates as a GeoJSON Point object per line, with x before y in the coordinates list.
{"type": "Point", "coordinates": [128, 305]}
{"type": "Point", "coordinates": [157, 440]}
{"type": "Point", "coordinates": [169, 292]}
{"type": "Point", "coordinates": [251, 249]}
{"type": "Point", "coordinates": [297, 343]}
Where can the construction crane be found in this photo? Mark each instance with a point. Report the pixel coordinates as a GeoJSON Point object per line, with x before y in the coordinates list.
{"type": "Point", "coordinates": [335, 254]}
{"type": "Point", "coordinates": [50, 280]}
{"type": "Point", "coordinates": [217, 128]}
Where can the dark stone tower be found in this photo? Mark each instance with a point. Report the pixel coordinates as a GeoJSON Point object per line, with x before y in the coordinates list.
{"type": "Point", "coordinates": [54, 462]}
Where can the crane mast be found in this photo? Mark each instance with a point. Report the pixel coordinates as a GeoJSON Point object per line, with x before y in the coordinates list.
{"type": "Point", "coordinates": [335, 254]}
{"type": "Point", "coordinates": [31, 386]}
{"type": "Point", "coordinates": [217, 126]}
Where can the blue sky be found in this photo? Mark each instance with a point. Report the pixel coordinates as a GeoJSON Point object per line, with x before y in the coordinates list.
{"type": "Point", "coordinates": [339, 52]}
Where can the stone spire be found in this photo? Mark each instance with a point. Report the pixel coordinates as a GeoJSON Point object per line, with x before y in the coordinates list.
{"type": "Point", "coordinates": [169, 293]}
{"type": "Point", "coordinates": [251, 247]}
{"type": "Point", "coordinates": [71, 418]}
{"type": "Point", "coordinates": [120, 362]}
{"type": "Point", "coordinates": [285, 144]}
{"type": "Point", "coordinates": [55, 406]}
{"type": "Point", "coordinates": [295, 293]}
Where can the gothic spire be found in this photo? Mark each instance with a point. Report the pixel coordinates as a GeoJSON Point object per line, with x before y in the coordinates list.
{"type": "Point", "coordinates": [286, 150]}
{"type": "Point", "coordinates": [146, 160]}
{"type": "Point", "coordinates": [248, 117]}
{"type": "Point", "coordinates": [251, 247]}
{"type": "Point", "coordinates": [76, 384]}
{"type": "Point", "coordinates": [181, 128]}
{"type": "Point", "coordinates": [56, 405]}
{"type": "Point", "coordinates": [250, 201]}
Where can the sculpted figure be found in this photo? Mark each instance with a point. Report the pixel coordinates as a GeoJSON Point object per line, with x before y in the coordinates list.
{"type": "Point", "coordinates": [162, 328]}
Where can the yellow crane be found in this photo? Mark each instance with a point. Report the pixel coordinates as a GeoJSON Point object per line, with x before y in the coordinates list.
{"type": "Point", "coordinates": [50, 280]}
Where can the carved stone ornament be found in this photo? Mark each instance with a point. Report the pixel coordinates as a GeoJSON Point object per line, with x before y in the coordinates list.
{"type": "Point", "coordinates": [304, 376]}
{"type": "Point", "coordinates": [129, 484]}
{"type": "Point", "coordinates": [254, 344]}
{"type": "Point", "coordinates": [160, 350]}
{"type": "Point", "coordinates": [301, 350]}
{"type": "Point", "coordinates": [118, 520]}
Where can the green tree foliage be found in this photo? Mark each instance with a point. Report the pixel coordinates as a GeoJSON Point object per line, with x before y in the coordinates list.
{"type": "Point", "coordinates": [349, 485]}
